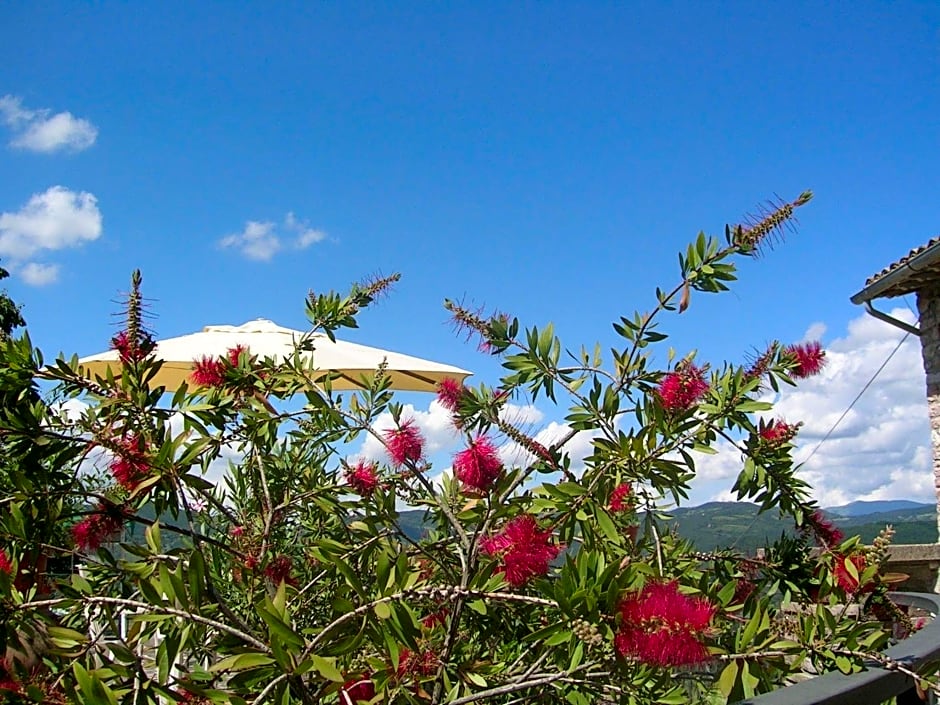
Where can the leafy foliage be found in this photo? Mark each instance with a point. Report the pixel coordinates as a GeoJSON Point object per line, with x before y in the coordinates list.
{"type": "Point", "coordinates": [296, 578]}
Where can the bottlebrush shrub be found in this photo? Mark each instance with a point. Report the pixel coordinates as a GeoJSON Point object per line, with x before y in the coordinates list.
{"type": "Point", "coordinates": [532, 579]}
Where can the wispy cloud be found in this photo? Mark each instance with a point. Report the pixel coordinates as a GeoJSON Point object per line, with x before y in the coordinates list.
{"type": "Point", "coordinates": [55, 219]}
{"type": "Point", "coordinates": [36, 274]}
{"type": "Point", "coordinates": [257, 241]}
{"type": "Point", "coordinates": [39, 130]}
{"type": "Point", "coordinates": [262, 240]}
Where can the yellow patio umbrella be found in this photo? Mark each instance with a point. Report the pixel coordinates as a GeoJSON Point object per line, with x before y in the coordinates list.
{"type": "Point", "coordinates": [350, 361]}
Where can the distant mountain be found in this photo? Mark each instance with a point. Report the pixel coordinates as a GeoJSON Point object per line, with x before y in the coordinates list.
{"type": "Point", "coordinates": [739, 525]}
{"type": "Point", "coordinates": [854, 509]}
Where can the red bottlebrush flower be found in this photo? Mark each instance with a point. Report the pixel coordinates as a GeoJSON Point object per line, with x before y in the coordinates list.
{"type": "Point", "coordinates": [435, 619]}
{"type": "Point", "coordinates": [621, 499]}
{"type": "Point", "coordinates": [826, 532]}
{"type": "Point", "coordinates": [844, 579]}
{"type": "Point", "coordinates": [357, 689]}
{"type": "Point", "coordinates": [681, 388]}
{"type": "Point", "coordinates": [479, 465]}
{"type": "Point", "coordinates": [279, 570]}
{"type": "Point", "coordinates": [10, 684]}
{"type": "Point", "coordinates": [742, 590]}
{"type": "Point", "coordinates": [405, 443]}
{"type": "Point", "coordinates": [189, 698]}
{"type": "Point", "coordinates": [420, 664]}
{"type": "Point", "coordinates": [363, 478]}
{"type": "Point", "coordinates": [250, 562]}
{"type": "Point", "coordinates": [98, 527]}
{"type": "Point", "coordinates": [778, 432]}
{"type": "Point", "coordinates": [6, 565]}
{"type": "Point", "coordinates": [130, 465]}
{"type": "Point", "coordinates": [810, 359]}
{"type": "Point", "coordinates": [449, 393]}
{"type": "Point", "coordinates": [662, 627]}
{"type": "Point", "coordinates": [236, 531]}
{"type": "Point", "coordinates": [762, 362]}
{"type": "Point", "coordinates": [130, 351]}
{"type": "Point", "coordinates": [208, 372]}
{"type": "Point", "coordinates": [525, 551]}
{"type": "Point", "coordinates": [234, 353]}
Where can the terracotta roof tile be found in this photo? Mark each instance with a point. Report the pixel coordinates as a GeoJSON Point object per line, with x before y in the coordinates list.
{"type": "Point", "coordinates": [914, 280]}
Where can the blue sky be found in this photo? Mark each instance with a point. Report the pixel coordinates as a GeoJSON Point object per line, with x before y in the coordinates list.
{"type": "Point", "coordinates": [548, 159]}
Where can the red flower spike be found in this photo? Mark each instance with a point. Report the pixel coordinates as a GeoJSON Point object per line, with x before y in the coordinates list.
{"type": "Point", "coordinates": [208, 372]}
{"type": "Point", "coordinates": [742, 590]}
{"type": "Point", "coordinates": [129, 465]}
{"type": "Point", "coordinates": [810, 359]}
{"type": "Point", "coordinates": [130, 351]}
{"type": "Point", "coordinates": [279, 570]}
{"type": "Point", "coordinates": [778, 432]}
{"type": "Point", "coordinates": [762, 363]}
{"type": "Point", "coordinates": [828, 534]}
{"type": "Point", "coordinates": [234, 353]}
{"type": "Point", "coordinates": [449, 392]}
{"type": "Point", "coordinates": [479, 465]}
{"type": "Point", "coordinates": [405, 443]}
{"type": "Point", "coordinates": [6, 565]}
{"type": "Point", "coordinates": [525, 551]}
{"type": "Point", "coordinates": [356, 690]}
{"type": "Point", "coordinates": [97, 528]}
{"type": "Point", "coordinates": [681, 388]}
{"type": "Point", "coordinates": [11, 684]}
{"type": "Point", "coordinates": [662, 627]}
{"type": "Point", "coordinates": [845, 580]}
{"type": "Point", "coordinates": [420, 664]}
{"type": "Point", "coordinates": [363, 478]}
{"type": "Point", "coordinates": [621, 499]}
{"type": "Point", "coordinates": [435, 619]}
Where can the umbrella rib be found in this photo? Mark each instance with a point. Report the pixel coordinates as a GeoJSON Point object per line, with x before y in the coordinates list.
{"type": "Point", "coordinates": [424, 379]}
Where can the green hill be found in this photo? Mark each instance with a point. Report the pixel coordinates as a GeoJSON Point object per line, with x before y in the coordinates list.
{"type": "Point", "coordinates": [738, 524]}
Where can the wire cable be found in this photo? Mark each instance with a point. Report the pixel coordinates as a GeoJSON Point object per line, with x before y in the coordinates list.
{"type": "Point", "coordinates": [857, 397]}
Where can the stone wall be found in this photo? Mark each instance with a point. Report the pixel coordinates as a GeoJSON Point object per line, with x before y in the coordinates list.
{"type": "Point", "coordinates": [928, 308]}
{"type": "Point", "coordinates": [920, 561]}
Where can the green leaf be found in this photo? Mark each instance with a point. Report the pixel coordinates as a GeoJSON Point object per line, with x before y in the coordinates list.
{"type": "Point", "coordinates": [728, 678]}
{"type": "Point", "coordinates": [241, 662]}
{"type": "Point", "coordinates": [557, 638]}
{"type": "Point", "coordinates": [326, 667]}
{"type": "Point", "coordinates": [606, 525]}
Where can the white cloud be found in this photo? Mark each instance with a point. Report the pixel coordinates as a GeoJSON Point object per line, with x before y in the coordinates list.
{"type": "Point", "coordinates": [261, 240]}
{"type": "Point", "coordinates": [520, 415]}
{"type": "Point", "coordinates": [880, 449]}
{"type": "Point", "coordinates": [305, 235]}
{"type": "Point", "coordinates": [41, 131]}
{"type": "Point", "coordinates": [815, 332]}
{"type": "Point", "coordinates": [53, 220]}
{"type": "Point", "coordinates": [435, 424]}
{"type": "Point", "coordinates": [258, 241]}
{"type": "Point", "coordinates": [36, 274]}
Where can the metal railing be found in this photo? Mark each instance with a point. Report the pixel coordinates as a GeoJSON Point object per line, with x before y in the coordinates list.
{"type": "Point", "coordinates": [878, 684]}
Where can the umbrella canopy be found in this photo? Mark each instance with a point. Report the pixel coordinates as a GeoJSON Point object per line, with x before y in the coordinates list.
{"type": "Point", "coordinates": [266, 339]}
